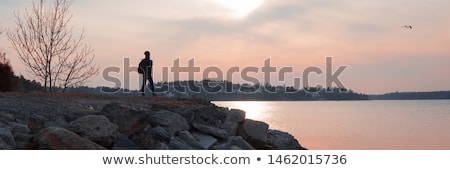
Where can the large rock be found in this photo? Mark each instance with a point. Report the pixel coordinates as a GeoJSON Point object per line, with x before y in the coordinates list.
{"type": "Point", "coordinates": [24, 141]}
{"type": "Point", "coordinates": [56, 138]}
{"type": "Point", "coordinates": [177, 144]}
{"type": "Point", "coordinates": [206, 141]}
{"type": "Point", "coordinates": [170, 121]}
{"type": "Point", "coordinates": [189, 139]}
{"type": "Point", "coordinates": [123, 143]}
{"type": "Point", "coordinates": [279, 140]}
{"type": "Point", "coordinates": [217, 132]}
{"type": "Point", "coordinates": [254, 132]}
{"type": "Point", "coordinates": [207, 115]}
{"type": "Point", "coordinates": [96, 128]}
{"type": "Point", "coordinates": [129, 120]}
{"type": "Point", "coordinates": [160, 134]}
{"type": "Point", "coordinates": [7, 141]}
{"type": "Point", "coordinates": [234, 118]}
{"type": "Point", "coordinates": [19, 128]}
{"type": "Point", "coordinates": [144, 139]}
{"type": "Point", "coordinates": [234, 143]}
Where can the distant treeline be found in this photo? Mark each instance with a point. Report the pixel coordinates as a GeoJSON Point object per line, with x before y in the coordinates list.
{"type": "Point", "coordinates": [212, 90]}
{"type": "Point", "coordinates": [412, 95]}
{"type": "Point", "coordinates": [228, 91]}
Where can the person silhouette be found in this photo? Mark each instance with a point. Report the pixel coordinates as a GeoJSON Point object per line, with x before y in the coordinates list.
{"type": "Point", "coordinates": [145, 68]}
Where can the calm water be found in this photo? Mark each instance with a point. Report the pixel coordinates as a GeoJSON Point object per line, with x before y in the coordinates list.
{"type": "Point", "coordinates": [346, 125]}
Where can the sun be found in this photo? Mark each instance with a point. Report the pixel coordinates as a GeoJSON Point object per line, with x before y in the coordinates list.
{"type": "Point", "coordinates": [239, 8]}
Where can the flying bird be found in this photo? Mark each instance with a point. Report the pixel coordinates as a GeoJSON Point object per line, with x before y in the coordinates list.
{"type": "Point", "coordinates": [407, 26]}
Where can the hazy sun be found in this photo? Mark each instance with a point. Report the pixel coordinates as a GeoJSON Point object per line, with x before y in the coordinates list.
{"type": "Point", "coordinates": [239, 8]}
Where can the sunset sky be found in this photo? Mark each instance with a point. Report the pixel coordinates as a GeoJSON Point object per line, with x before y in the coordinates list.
{"type": "Point", "coordinates": [367, 36]}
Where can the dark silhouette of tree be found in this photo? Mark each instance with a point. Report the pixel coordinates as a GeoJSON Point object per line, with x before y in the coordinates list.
{"type": "Point", "coordinates": [7, 82]}
{"type": "Point", "coordinates": [47, 46]}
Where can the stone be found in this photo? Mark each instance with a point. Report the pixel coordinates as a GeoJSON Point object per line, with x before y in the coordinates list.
{"type": "Point", "coordinates": [55, 138]}
{"type": "Point", "coordinates": [254, 132]}
{"type": "Point", "coordinates": [170, 121]}
{"type": "Point", "coordinates": [128, 119]}
{"type": "Point", "coordinates": [19, 128]}
{"type": "Point", "coordinates": [144, 139]}
{"type": "Point", "coordinates": [96, 128]}
{"type": "Point", "coordinates": [207, 115]}
{"type": "Point", "coordinates": [177, 144]}
{"type": "Point", "coordinates": [160, 134]}
{"type": "Point", "coordinates": [234, 118]}
{"type": "Point", "coordinates": [217, 132]}
{"type": "Point", "coordinates": [123, 143]}
{"type": "Point", "coordinates": [57, 123]}
{"type": "Point", "coordinates": [189, 139]}
{"type": "Point", "coordinates": [161, 146]}
{"type": "Point", "coordinates": [234, 143]}
{"type": "Point", "coordinates": [24, 141]}
{"type": "Point", "coordinates": [206, 141]}
{"type": "Point", "coordinates": [279, 140]}
{"type": "Point", "coordinates": [7, 141]}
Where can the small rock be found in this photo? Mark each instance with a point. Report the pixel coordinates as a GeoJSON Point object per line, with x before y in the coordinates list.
{"type": "Point", "coordinates": [7, 141]}
{"type": "Point", "coordinates": [96, 128]}
{"type": "Point", "coordinates": [56, 138]}
{"type": "Point", "coordinates": [254, 132]}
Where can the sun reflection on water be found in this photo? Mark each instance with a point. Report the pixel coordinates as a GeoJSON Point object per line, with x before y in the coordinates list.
{"type": "Point", "coordinates": [254, 110]}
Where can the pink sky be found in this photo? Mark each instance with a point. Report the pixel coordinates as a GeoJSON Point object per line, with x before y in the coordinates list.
{"type": "Point", "coordinates": [366, 36]}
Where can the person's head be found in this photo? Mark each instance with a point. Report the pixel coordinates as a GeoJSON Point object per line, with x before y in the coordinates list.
{"type": "Point", "coordinates": [147, 54]}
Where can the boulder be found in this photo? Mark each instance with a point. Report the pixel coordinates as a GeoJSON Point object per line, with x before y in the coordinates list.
{"type": "Point", "coordinates": [7, 141]}
{"type": "Point", "coordinates": [254, 132]}
{"type": "Point", "coordinates": [144, 139]}
{"type": "Point", "coordinates": [170, 121]}
{"type": "Point", "coordinates": [57, 123]}
{"type": "Point", "coordinates": [177, 144]}
{"type": "Point", "coordinates": [129, 120]}
{"type": "Point", "coordinates": [189, 139]}
{"type": "Point", "coordinates": [56, 138]}
{"type": "Point", "coordinates": [96, 128]}
{"type": "Point", "coordinates": [279, 140]}
{"type": "Point", "coordinates": [123, 143]}
{"type": "Point", "coordinates": [207, 115]}
{"type": "Point", "coordinates": [161, 146]}
{"type": "Point", "coordinates": [234, 143]}
{"type": "Point", "coordinates": [24, 141]}
{"type": "Point", "coordinates": [217, 132]}
{"type": "Point", "coordinates": [19, 128]}
{"type": "Point", "coordinates": [205, 140]}
{"type": "Point", "coordinates": [160, 134]}
{"type": "Point", "coordinates": [234, 118]}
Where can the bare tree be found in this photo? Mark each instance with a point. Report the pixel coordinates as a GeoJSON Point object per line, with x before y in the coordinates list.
{"type": "Point", "coordinates": [47, 46]}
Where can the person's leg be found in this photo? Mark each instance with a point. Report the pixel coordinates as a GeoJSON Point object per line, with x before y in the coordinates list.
{"type": "Point", "coordinates": [144, 81]}
{"type": "Point", "coordinates": [152, 86]}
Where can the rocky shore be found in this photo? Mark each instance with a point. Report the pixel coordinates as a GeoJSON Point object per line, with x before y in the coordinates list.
{"type": "Point", "coordinates": [86, 122]}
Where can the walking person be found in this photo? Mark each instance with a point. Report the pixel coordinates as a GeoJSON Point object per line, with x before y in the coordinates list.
{"type": "Point", "coordinates": [145, 68]}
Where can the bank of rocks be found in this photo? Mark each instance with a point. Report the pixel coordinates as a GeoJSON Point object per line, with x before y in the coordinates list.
{"type": "Point", "coordinates": [82, 123]}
